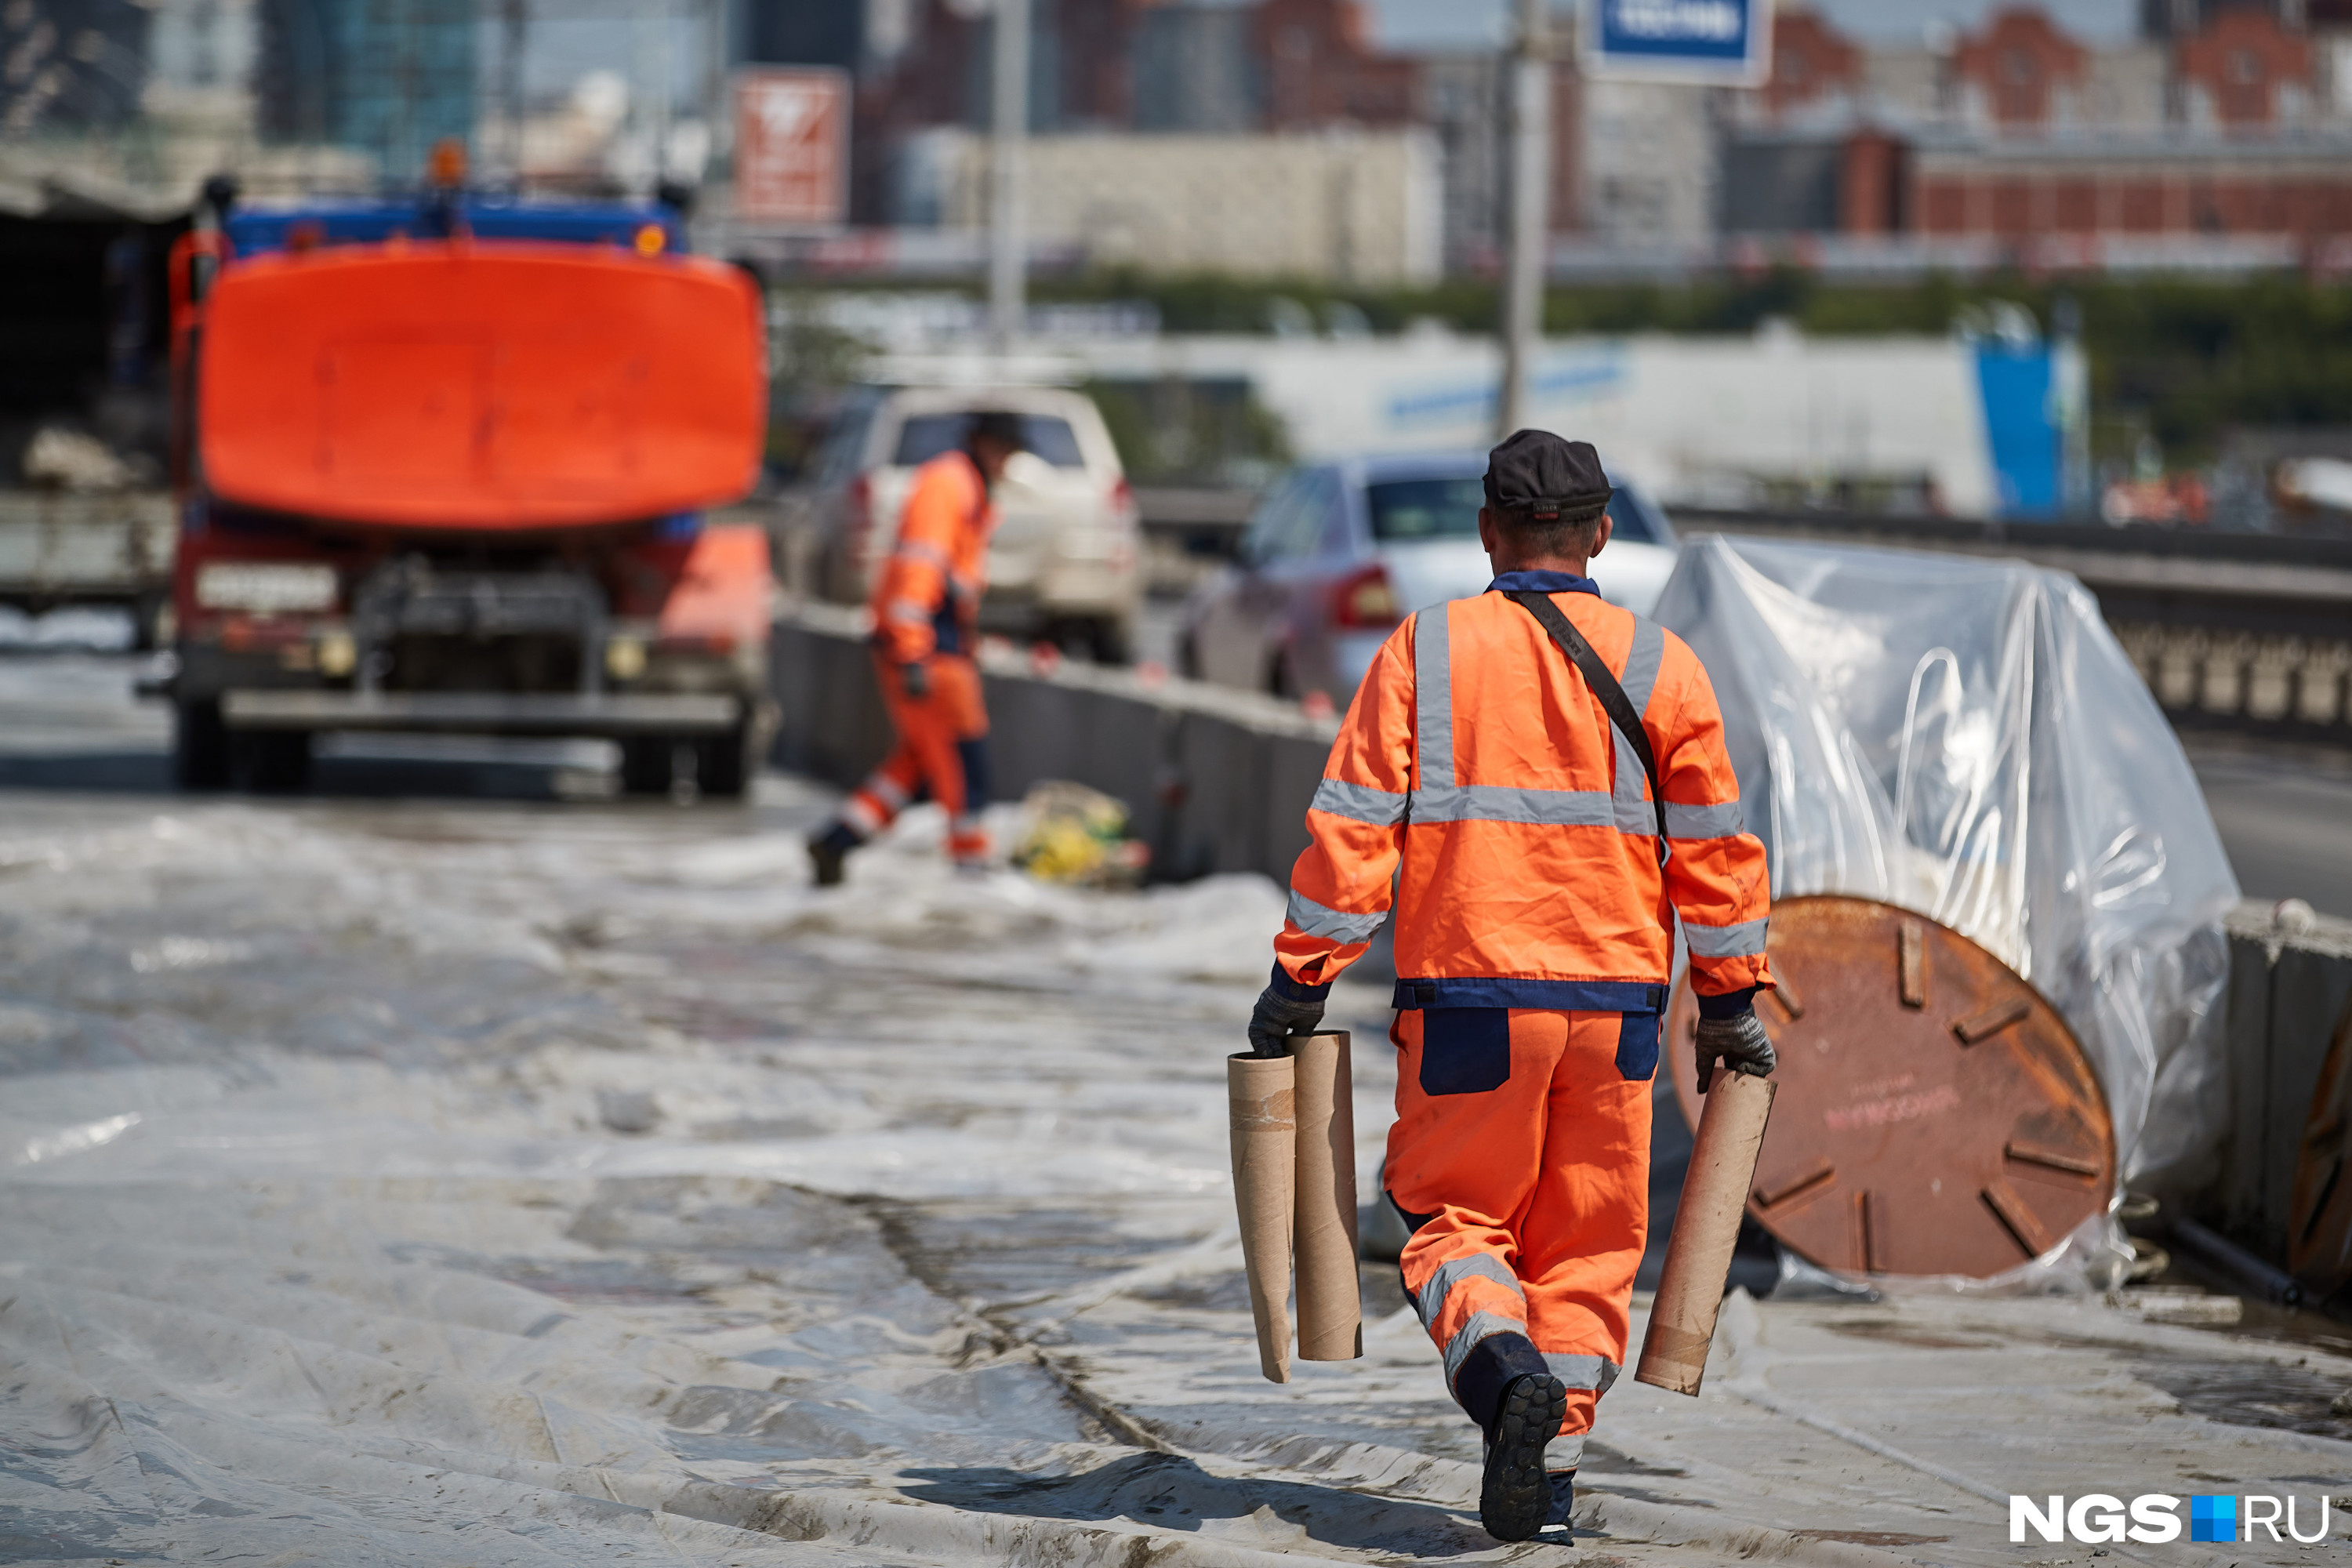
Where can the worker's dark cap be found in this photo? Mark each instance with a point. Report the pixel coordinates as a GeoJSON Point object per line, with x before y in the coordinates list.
{"type": "Point", "coordinates": [1535, 471]}
{"type": "Point", "coordinates": [998, 426]}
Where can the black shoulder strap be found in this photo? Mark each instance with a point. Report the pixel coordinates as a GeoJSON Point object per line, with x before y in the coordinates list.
{"type": "Point", "coordinates": [1614, 701]}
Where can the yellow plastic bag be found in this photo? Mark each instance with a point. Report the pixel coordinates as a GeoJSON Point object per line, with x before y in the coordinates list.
{"type": "Point", "coordinates": [1077, 836]}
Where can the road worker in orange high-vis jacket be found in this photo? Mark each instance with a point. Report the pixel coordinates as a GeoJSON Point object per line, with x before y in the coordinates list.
{"type": "Point", "coordinates": [926, 630]}
{"type": "Point", "coordinates": [1533, 785]}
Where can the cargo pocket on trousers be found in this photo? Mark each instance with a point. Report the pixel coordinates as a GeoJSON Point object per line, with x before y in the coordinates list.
{"type": "Point", "coordinates": [1464, 1050]}
{"type": "Point", "coordinates": [1637, 1045]}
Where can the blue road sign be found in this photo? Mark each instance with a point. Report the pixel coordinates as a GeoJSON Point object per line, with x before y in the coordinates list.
{"type": "Point", "coordinates": [1714, 42]}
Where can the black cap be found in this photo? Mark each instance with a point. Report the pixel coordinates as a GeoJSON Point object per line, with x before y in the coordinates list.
{"type": "Point", "coordinates": [998, 426]}
{"type": "Point", "coordinates": [1535, 471]}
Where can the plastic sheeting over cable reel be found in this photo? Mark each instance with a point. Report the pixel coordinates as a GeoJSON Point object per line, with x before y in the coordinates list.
{"type": "Point", "coordinates": [2319, 1235]}
{"type": "Point", "coordinates": [1937, 1117]}
{"type": "Point", "coordinates": [1965, 740]}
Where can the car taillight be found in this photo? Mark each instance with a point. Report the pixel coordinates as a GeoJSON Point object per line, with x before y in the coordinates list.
{"type": "Point", "coordinates": [1122, 500]}
{"type": "Point", "coordinates": [1365, 601]}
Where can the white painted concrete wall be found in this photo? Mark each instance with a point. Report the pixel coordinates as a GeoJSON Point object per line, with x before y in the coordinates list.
{"type": "Point", "coordinates": [1693, 419]}
{"type": "Point", "coordinates": [1346, 205]}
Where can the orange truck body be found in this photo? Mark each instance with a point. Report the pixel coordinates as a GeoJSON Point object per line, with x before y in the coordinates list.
{"type": "Point", "coordinates": [456, 484]}
{"type": "Point", "coordinates": [482, 387]}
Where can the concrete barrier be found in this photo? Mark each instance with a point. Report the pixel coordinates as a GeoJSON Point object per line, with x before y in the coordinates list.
{"type": "Point", "coordinates": [2290, 982]}
{"type": "Point", "coordinates": [1214, 779]}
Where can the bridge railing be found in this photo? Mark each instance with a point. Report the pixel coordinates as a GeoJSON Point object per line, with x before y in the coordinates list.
{"type": "Point", "coordinates": [2247, 631]}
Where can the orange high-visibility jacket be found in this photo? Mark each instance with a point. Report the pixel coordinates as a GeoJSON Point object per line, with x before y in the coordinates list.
{"type": "Point", "coordinates": [1476, 756]}
{"type": "Point", "coordinates": [928, 598]}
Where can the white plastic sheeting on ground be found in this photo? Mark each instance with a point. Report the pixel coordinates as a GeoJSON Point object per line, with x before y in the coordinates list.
{"type": "Point", "coordinates": [1966, 739]}
{"type": "Point", "coordinates": [457, 1184]}
{"type": "Point", "coordinates": [447, 1185]}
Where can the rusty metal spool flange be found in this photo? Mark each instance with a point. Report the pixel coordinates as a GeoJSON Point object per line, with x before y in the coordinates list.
{"type": "Point", "coordinates": [1936, 1114]}
{"type": "Point", "coordinates": [2319, 1221]}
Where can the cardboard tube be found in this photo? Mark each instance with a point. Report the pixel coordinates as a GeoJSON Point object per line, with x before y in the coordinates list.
{"type": "Point", "coordinates": [1261, 1100]}
{"type": "Point", "coordinates": [1698, 1255]}
{"type": "Point", "coordinates": [1330, 1298]}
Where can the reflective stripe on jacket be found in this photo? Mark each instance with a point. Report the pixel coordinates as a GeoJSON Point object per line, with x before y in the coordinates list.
{"type": "Point", "coordinates": [1476, 757]}
{"type": "Point", "coordinates": [928, 598]}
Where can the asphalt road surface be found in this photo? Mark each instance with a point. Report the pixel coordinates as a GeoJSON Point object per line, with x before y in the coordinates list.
{"type": "Point", "coordinates": [457, 1166]}
{"type": "Point", "coordinates": [2286, 815]}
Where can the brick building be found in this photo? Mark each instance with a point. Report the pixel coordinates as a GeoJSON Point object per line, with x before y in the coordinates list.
{"type": "Point", "coordinates": [2225, 127]}
{"type": "Point", "coordinates": [1321, 68]}
{"type": "Point", "coordinates": [1164, 66]}
{"type": "Point", "coordinates": [2020, 73]}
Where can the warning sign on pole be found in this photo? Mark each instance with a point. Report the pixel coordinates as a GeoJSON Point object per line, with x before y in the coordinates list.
{"type": "Point", "coordinates": [791, 146]}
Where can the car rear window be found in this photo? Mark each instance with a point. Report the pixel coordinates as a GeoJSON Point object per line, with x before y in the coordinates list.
{"type": "Point", "coordinates": [926, 435]}
{"type": "Point", "coordinates": [1404, 509]}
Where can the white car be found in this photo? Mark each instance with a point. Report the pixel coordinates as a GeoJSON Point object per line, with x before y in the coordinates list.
{"type": "Point", "coordinates": [1338, 553]}
{"type": "Point", "coordinates": [1064, 566]}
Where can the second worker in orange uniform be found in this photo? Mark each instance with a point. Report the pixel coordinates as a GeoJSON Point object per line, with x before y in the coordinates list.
{"type": "Point", "coordinates": [1535, 781]}
{"type": "Point", "coordinates": [926, 631]}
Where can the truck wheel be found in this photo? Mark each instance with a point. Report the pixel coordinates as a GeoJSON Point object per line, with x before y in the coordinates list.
{"type": "Point", "coordinates": [644, 765]}
{"type": "Point", "coordinates": [280, 761]}
{"type": "Point", "coordinates": [723, 763]}
{"type": "Point", "coordinates": [199, 744]}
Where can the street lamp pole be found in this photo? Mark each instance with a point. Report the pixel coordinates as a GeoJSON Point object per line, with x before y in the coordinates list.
{"type": "Point", "coordinates": [1007, 258]}
{"type": "Point", "coordinates": [515, 19]}
{"type": "Point", "coordinates": [1523, 284]}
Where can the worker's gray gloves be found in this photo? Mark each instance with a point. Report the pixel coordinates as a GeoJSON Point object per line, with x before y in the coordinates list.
{"type": "Point", "coordinates": [1739, 1043]}
{"type": "Point", "coordinates": [914, 679]}
{"type": "Point", "coordinates": [1282, 1011]}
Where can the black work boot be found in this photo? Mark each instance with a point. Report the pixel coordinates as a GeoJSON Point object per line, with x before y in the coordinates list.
{"type": "Point", "coordinates": [827, 851]}
{"type": "Point", "coordinates": [1514, 1498]}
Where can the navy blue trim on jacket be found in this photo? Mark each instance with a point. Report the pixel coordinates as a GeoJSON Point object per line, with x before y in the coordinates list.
{"type": "Point", "coordinates": [1291, 990]}
{"type": "Point", "coordinates": [1543, 583]}
{"type": "Point", "coordinates": [1730, 1004]}
{"type": "Point", "coordinates": [1551, 995]}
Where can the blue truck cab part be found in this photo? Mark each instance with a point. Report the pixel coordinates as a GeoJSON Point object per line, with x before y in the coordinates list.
{"type": "Point", "coordinates": [253, 230]}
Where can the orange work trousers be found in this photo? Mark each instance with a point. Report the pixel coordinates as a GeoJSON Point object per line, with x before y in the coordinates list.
{"type": "Point", "coordinates": [942, 754]}
{"type": "Point", "coordinates": [1521, 1157]}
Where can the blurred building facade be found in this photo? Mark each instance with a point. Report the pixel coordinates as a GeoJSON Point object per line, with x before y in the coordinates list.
{"type": "Point", "coordinates": [384, 77]}
{"type": "Point", "coordinates": [1222, 112]}
{"type": "Point", "coordinates": [1349, 205]}
{"type": "Point", "coordinates": [173, 102]}
{"type": "Point", "coordinates": [71, 66]}
{"type": "Point", "coordinates": [2223, 127]}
